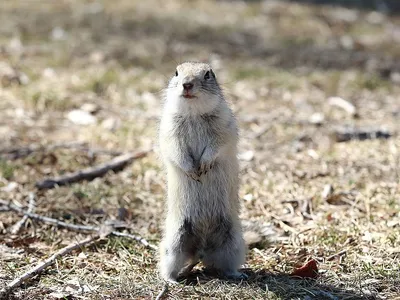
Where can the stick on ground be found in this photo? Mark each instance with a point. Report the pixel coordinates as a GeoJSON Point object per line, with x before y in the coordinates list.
{"type": "Point", "coordinates": [116, 164]}
{"type": "Point", "coordinates": [136, 238]}
{"type": "Point", "coordinates": [345, 134]}
{"type": "Point", "coordinates": [22, 152]}
{"type": "Point", "coordinates": [47, 219]}
{"type": "Point", "coordinates": [31, 206]}
{"type": "Point", "coordinates": [46, 263]}
{"type": "Point", "coordinates": [76, 227]}
{"type": "Point", "coordinates": [162, 292]}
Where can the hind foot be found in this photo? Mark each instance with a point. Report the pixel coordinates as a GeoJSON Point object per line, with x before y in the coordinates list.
{"type": "Point", "coordinates": [236, 275]}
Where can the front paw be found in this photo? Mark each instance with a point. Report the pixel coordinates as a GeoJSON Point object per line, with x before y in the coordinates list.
{"type": "Point", "coordinates": [204, 167]}
{"type": "Point", "coordinates": [190, 169]}
{"type": "Point", "coordinates": [194, 175]}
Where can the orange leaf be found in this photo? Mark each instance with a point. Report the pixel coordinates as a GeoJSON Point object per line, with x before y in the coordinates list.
{"type": "Point", "coordinates": [309, 270]}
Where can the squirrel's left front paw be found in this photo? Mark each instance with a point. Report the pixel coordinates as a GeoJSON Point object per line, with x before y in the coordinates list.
{"type": "Point", "coordinates": [204, 167]}
{"type": "Point", "coordinates": [194, 175]}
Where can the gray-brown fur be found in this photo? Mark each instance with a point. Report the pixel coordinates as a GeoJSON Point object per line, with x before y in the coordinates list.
{"type": "Point", "coordinates": [198, 143]}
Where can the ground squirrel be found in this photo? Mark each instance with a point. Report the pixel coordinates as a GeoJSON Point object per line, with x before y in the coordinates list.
{"type": "Point", "coordinates": [198, 144]}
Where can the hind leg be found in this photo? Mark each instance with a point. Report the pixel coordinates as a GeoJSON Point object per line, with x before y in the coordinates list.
{"type": "Point", "coordinates": [172, 262]}
{"type": "Point", "coordinates": [186, 270]}
{"type": "Point", "coordinates": [228, 257]}
{"type": "Point", "coordinates": [175, 265]}
{"type": "Point", "coordinates": [178, 253]}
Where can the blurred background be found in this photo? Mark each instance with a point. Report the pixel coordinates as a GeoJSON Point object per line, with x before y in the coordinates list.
{"type": "Point", "coordinates": [117, 57]}
{"type": "Point", "coordinates": [385, 6]}
{"type": "Point", "coordinates": [315, 86]}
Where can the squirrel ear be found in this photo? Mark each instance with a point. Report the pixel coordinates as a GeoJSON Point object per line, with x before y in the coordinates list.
{"type": "Point", "coordinates": [212, 73]}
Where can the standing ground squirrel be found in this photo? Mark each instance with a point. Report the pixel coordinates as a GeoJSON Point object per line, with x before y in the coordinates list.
{"type": "Point", "coordinates": [198, 139]}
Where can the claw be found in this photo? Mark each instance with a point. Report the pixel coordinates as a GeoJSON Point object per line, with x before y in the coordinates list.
{"type": "Point", "coordinates": [194, 176]}
{"type": "Point", "coordinates": [204, 168]}
{"type": "Point", "coordinates": [198, 180]}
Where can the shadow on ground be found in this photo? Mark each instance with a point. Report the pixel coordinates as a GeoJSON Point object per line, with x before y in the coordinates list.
{"type": "Point", "coordinates": [284, 286]}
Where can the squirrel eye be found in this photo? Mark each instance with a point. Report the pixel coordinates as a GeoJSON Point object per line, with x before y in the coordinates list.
{"type": "Point", "coordinates": [176, 73]}
{"type": "Point", "coordinates": [207, 75]}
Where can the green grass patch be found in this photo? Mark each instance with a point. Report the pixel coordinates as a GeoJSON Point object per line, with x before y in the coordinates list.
{"type": "Point", "coordinates": [7, 169]}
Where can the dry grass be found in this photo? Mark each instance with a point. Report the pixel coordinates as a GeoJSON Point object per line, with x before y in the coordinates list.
{"type": "Point", "coordinates": [279, 63]}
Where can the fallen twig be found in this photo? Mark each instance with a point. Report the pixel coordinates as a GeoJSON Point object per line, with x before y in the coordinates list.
{"type": "Point", "coordinates": [116, 164]}
{"type": "Point", "coordinates": [46, 263]}
{"type": "Point", "coordinates": [75, 227]}
{"type": "Point", "coordinates": [258, 251]}
{"type": "Point", "coordinates": [342, 198]}
{"type": "Point", "coordinates": [31, 206]}
{"type": "Point", "coordinates": [21, 152]}
{"type": "Point", "coordinates": [136, 238]}
{"type": "Point", "coordinates": [347, 134]}
{"type": "Point", "coordinates": [338, 254]}
{"type": "Point", "coordinates": [162, 292]}
{"type": "Point", "coordinates": [47, 219]}
{"type": "Point", "coordinates": [94, 151]}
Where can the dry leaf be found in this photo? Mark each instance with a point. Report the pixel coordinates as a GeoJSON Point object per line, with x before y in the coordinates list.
{"type": "Point", "coordinates": [309, 270]}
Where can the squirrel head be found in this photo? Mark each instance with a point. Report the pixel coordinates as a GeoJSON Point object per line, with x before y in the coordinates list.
{"type": "Point", "coordinates": [194, 89]}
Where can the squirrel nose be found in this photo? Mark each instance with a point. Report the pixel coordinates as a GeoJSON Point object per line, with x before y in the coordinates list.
{"type": "Point", "coordinates": [187, 86]}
